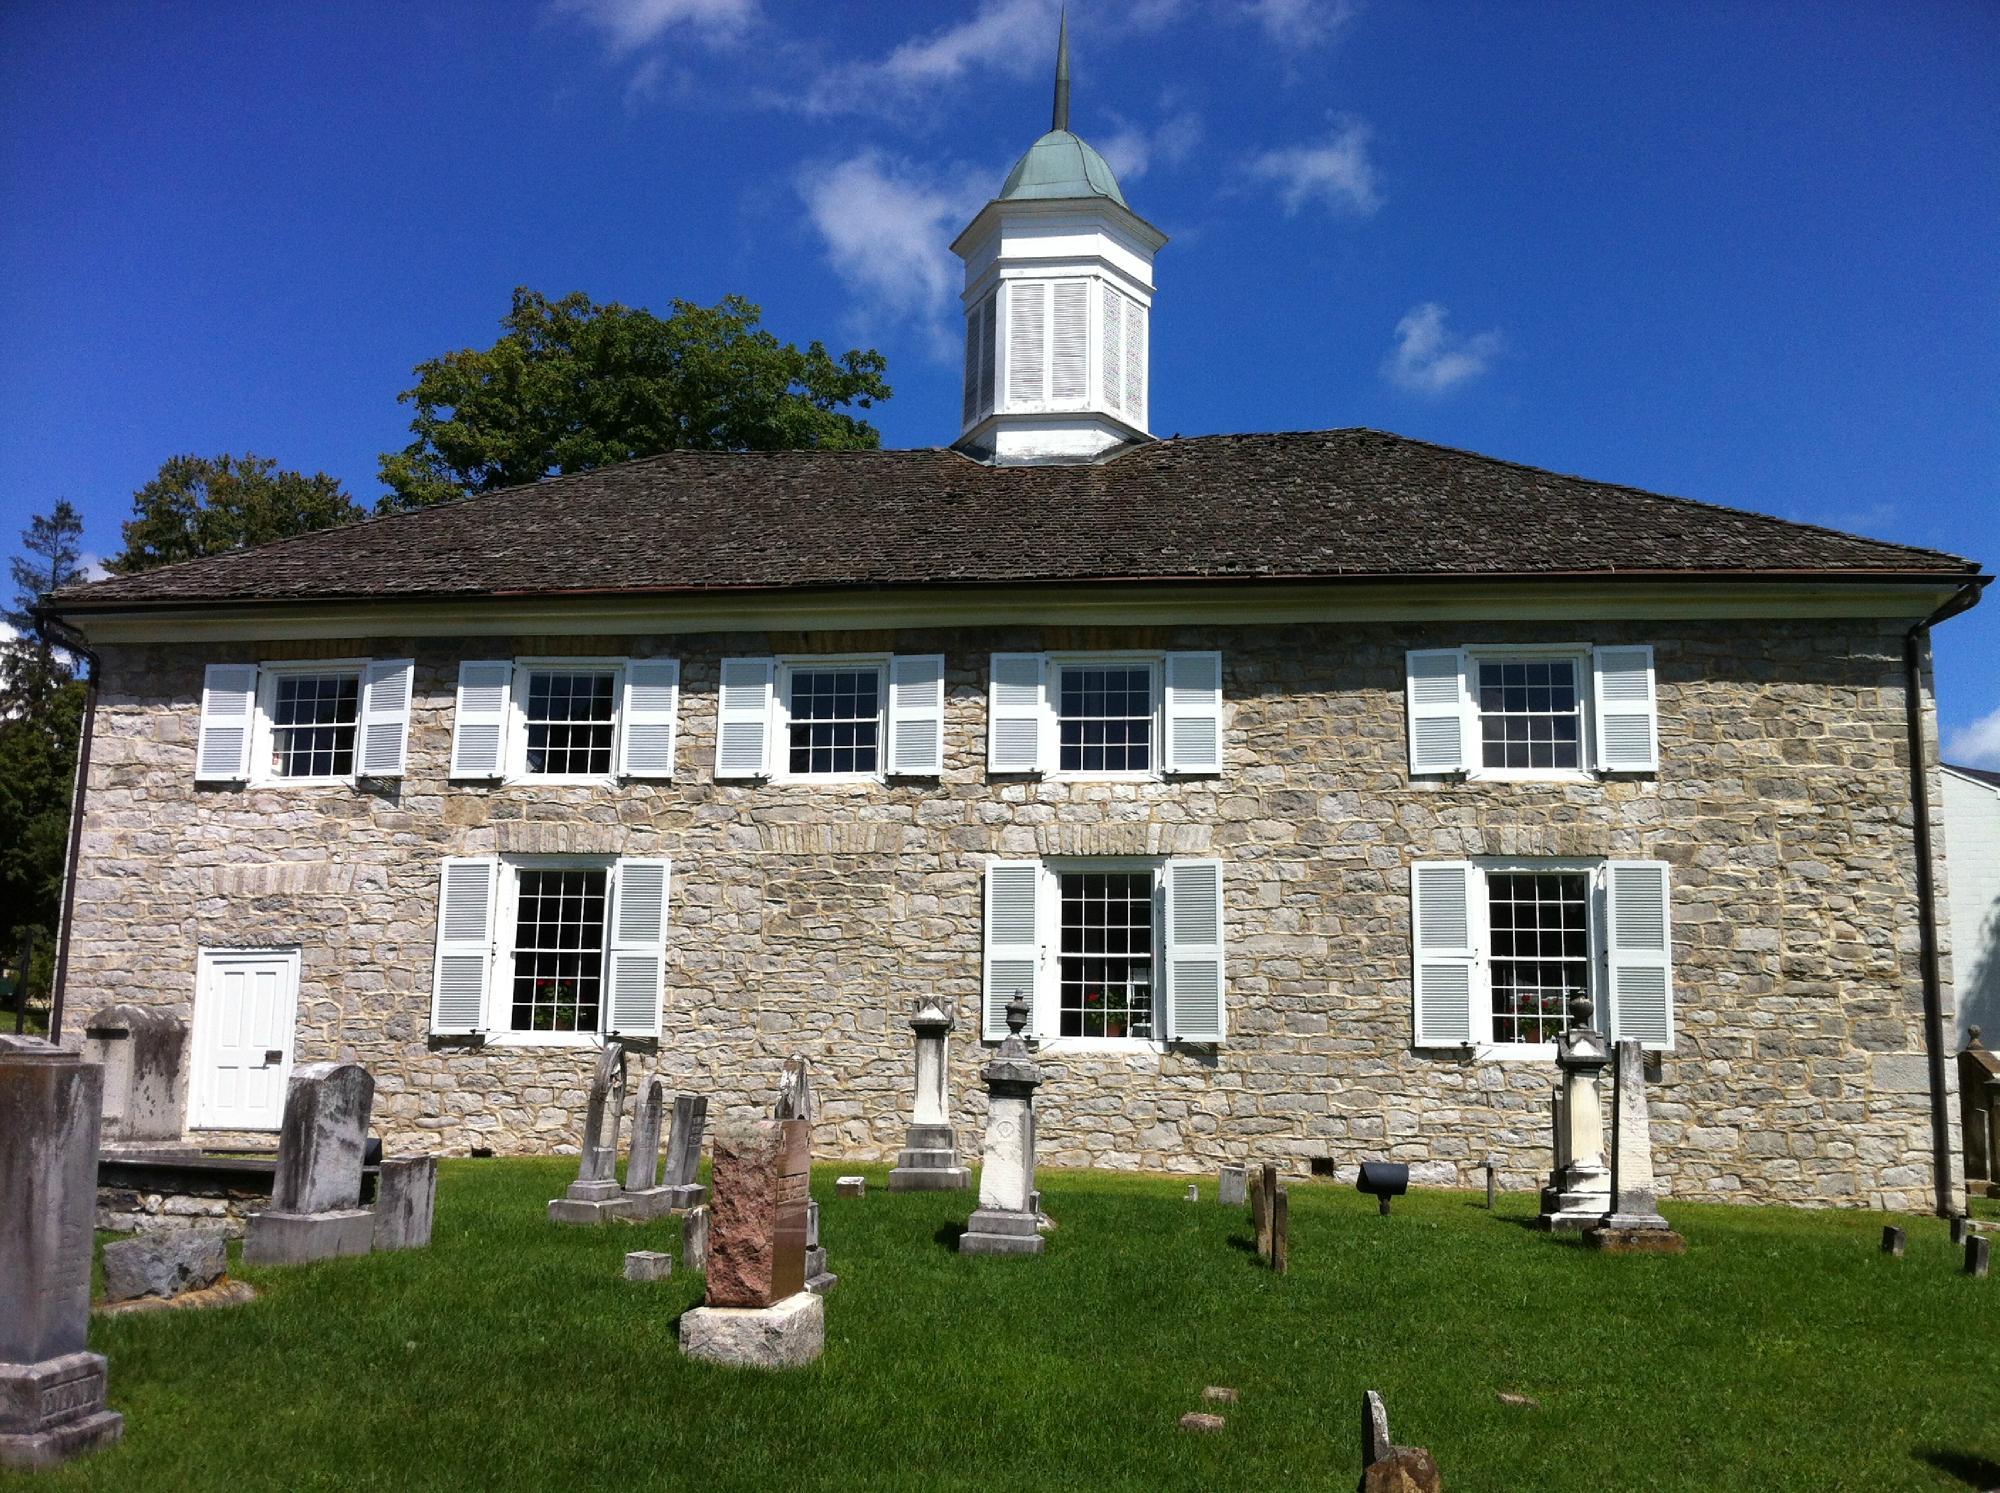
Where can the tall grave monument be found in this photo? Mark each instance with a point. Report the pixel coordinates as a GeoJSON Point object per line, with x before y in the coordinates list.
{"type": "Point", "coordinates": [1579, 1190]}
{"type": "Point", "coordinates": [929, 1158]}
{"type": "Point", "coordinates": [595, 1196]}
{"type": "Point", "coordinates": [51, 1388]}
{"type": "Point", "coordinates": [1632, 1225]}
{"type": "Point", "coordinates": [1006, 1222]}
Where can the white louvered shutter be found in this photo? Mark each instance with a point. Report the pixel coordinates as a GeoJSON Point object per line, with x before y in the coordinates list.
{"type": "Point", "coordinates": [1113, 353]}
{"type": "Point", "coordinates": [1194, 1007]}
{"type": "Point", "coordinates": [479, 723]}
{"type": "Point", "coordinates": [989, 357]}
{"type": "Point", "coordinates": [1135, 362]}
{"type": "Point", "coordinates": [228, 711]}
{"type": "Point", "coordinates": [466, 895]}
{"type": "Point", "coordinates": [1027, 344]}
{"type": "Point", "coordinates": [385, 716]}
{"type": "Point", "coordinates": [1194, 712]}
{"type": "Point", "coordinates": [638, 946]}
{"type": "Point", "coordinates": [743, 719]}
{"type": "Point", "coordinates": [1440, 711]}
{"type": "Point", "coordinates": [1069, 343]}
{"type": "Point", "coordinates": [1442, 909]}
{"type": "Point", "coordinates": [1013, 943]}
{"type": "Point", "coordinates": [648, 724]}
{"type": "Point", "coordinates": [916, 715]}
{"type": "Point", "coordinates": [970, 411]}
{"type": "Point", "coordinates": [1638, 952]}
{"type": "Point", "coordinates": [1014, 711]}
{"type": "Point", "coordinates": [1628, 724]}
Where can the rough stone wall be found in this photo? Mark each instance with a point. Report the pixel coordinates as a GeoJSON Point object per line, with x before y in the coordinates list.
{"type": "Point", "coordinates": [805, 918]}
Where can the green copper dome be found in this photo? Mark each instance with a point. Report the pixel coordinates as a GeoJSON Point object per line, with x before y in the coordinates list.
{"type": "Point", "coordinates": [1061, 165]}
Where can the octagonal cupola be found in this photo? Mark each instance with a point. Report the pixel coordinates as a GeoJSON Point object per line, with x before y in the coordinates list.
{"type": "Point", "coordinates": [1058, 305]}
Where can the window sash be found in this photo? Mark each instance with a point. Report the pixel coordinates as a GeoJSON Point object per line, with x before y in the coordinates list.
{"type": "Point", "coordinates": [264, 742]}
{"type": "Point", "coordinates": [499, 1019]}
{"type": "Point", "coordinates": [1578, 657]}
{"type": "Point", "coordinates": [874, 727]}
{"type": "Point", "coordinates": [1059, 667]}
{"type": "Point", "coordinates": [566, 948]}
{"type": "Point", "coordinates": [520, 728]}
{"type": "Point", "coordinates": [1484, 1021]}
{"type": "Point", "coordinates": [1119, 911]}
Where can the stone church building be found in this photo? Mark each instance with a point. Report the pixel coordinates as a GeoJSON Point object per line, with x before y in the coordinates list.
{"type": "Point", "coordinates": [1298, 781]}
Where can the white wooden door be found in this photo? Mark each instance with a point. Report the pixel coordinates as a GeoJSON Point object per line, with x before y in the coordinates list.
{"type": "Point", "coordinates": [246, 1004]}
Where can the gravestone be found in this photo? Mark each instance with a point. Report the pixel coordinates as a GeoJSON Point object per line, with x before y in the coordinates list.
{"type": "Point", "coordinates": [316, 1211]}
{"type": "Point", "coordinates": [51, 1387]}
{"type": "Point", "coordinates": [757, 1312]}
{"type": "Point", "coordinates": [1492, 1186]}
{"type": "Point", "coordinates": [165, 1263]}
{"type": "Point", "coordinates": [795, 1091]}
{"type": "Point", "coordinates": [684, 1152]}
{"type": "Point", "coordinates": [405, 1202]}
{"type": "Point", "coordinates": [644, 1197]}
{"type": "Point", "coordinates": [1579, 1190]}
{"type": "Point", "coordinates": [1263, 1203]}
{"type": "Point", "coordinates": [929, 1160]}
{"type": "Point", "coordinates": [1232, 1186]}
{"type": "Point", "coordinates": [1632, 1225]}
{"type": "Point", "coordinates": [140, 1050]}
{"type": "Point", "coordinates": [595, 1196]}
{"type": "Point", "coordinates": [1979, 1115]}
{"type": "Point", "coordinates": [1281, 1232]}
{"type": "Point", "coordinates": [694, 1237]}
{"type": "Point", "coordinates": [1978, 1256]}
{"type": "Point", "coordinates": [648, 1264]}
{"type": "Point", "coordinates": [819, 1279]}
{"type": "Point", "coordinates": [1006, 1222]}
{"type": "Point", "coordinates": [1894, 1241]}
{"type": "Point", "coordinates": [1386, 1467]}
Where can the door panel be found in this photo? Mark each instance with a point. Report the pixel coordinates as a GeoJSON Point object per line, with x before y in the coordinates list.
{"type": "Point", "coordinates": [244, 1013]}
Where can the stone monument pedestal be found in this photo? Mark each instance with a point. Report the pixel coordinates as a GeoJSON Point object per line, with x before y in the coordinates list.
{"type": "Point", "coordinates": [786, 1335]}
{"type": "Point", "coordinates": [588, 1202]}
{"type": "Point", "coordinates": [1579, 1190]}
{"type": "Point", "coordinates": [682, 1199]}
{"type": "Point", "coordinates": [54, 1410]}
{"type": "Point", "coordinates": [1001, 1231]}
{"type": "Point", "coordinates": [316, 1211]}
{"type": "Point", "coordinates": [1613, 1240]}
{"type": "Point", "coordinates": [1632, 1225]}
{"type": "Point", "coordinates": [929, 1162]}
{"type": "Point", "coordinates": [274, 1238]}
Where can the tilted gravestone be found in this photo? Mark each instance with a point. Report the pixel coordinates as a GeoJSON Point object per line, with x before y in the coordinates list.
{"type": "Point", "coordinates": [595, 1196]}
{"type": "Point", "coordinates": [51, 1389]}
{"type": "Point", "coordinates": [644, 1197]}
{"type": "Point", "coordinates": [405, 1202]}
{"type": "Point", "coordinates": [684, 1152]}
{"type": "Point", "coordinates": [316, 1211]}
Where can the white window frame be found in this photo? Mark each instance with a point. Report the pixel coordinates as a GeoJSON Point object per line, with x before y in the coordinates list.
{"type": "Point", "coordinates": [1581, 661]}
{"type": "Point", "coordinates": [1044, 1028]}
{"type": "Point", "coordinates": [506, 923]}
{"type": "Point", "coordinates": [1482, 946]}
{"type": "Point", "coordinates": [1155, 665]}
{"type": "Point", "coordinates": [779, 749]}
{"type": "Point", "coordinates": [514, 752]}
{"type": "Point", "coordinates": [262, 728]}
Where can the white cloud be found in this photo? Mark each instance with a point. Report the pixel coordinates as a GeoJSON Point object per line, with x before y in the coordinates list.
{"type": "Point", "coordinates": [1014, 37]}
{"type": "Point", "coordinates": [1428, 359]}
{"type": "Point", "coordinates": [1301, 23]}
{"type": "Point", "coordinates": [1336, 173]}
{"type": "Point", "coordinates": [1976, 745]}
{"type": "Point", "coordinates": [631, 24]}
{"type": "Point", "coordinates": [887, 228]}
{"type": "Point", "coordinates": [1132, 149]}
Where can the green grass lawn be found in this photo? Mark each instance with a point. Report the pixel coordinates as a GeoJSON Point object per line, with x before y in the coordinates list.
{"type": "Point", "coordinates": [1783, 1351]}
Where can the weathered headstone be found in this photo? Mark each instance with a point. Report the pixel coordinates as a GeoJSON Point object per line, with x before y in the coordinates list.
{"type": "Point", "coordinates": [648, 1264]}
{"type": "Point", "coordinates": [51, 1388]}
{"type": "Point", "coordinates": [850, 1187]}
{"type": "Point", "coordinates": [140, 1050]}
{"type": "Point", "coordinates": [795, 1091]}
{"type": "Point", "coordinates": [1281, 1232]}
{"type": "Point", "coordinates": [1959, 1229]}
{"type": "Point", "coordinates": [1006, 1221]}
{"type": "Point", "coordinates": [1633, 1225]}
{"type": "Point", "coordinates": [757, 1312]}
{"type": "Point", "coordinates": [316, 1211]}
{"type": "Point", "coordinates": [164, 1263]}
{"type": "Point", "coordinates": [405, 1202]}
{"type": "Point", "coordinates": [1202, 1420]}
{"type": "Point", "coordinates": [1978, 1256]}
{"type": "Point", "coordinates": [595, 1196]}
{"type": "Point", "coordinates": [1579, 1190]}
{"type": "Point", "coordinates": [1979, 1115]}
{"type": "Point", "coordinates": [1232, 1184]}
{"type": "Point", "coordinates": [1492, 1186]}
{"type": "Point", "coordinates": [1193, 1193]}
{"type": "Point", "coordinates": [684, 1152]}
{"type": "Point", "coordinates": [1386, 1467]}
{"type": "Point", "coordinates": [819, 1279]}
{"type": "Point", "coordinates": [1263, 1202]}
{"type": "Point", "coordinates": [1894, 1241]}
{"type": "Point", "coordinates": [694, 1237]}
{"type": "Point", "coordinates": [929, 1160]}
{"type": "Point", "coordinates": [644, 1196]}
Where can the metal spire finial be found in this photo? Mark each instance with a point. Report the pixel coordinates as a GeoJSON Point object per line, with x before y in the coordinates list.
{"type": "Point", "coordinates": [1060, 121]}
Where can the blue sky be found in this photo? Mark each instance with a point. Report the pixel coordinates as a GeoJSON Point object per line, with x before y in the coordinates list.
{"type": "Point", "coordinates": [1738, 252]}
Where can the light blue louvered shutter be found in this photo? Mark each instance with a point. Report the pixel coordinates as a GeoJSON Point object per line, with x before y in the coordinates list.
{"type": "Point", "coordinates": [1194, 1005]}
{"type": "Point", "coordinates": [743, 719]}
{"type": "Point", "coordinates": [479, 720]}
{"type": "Point", "coordinates": [228, 712]}
{"type": "Point", "coordinates": [385, 716]}
{"type": "Point", "coordinates": [1015, 708]}
{"type": "Point", "coordinates": [638, 946]}
{"type": "Point", "coordinates": [1628, 727]}
{"type": "Point", "coordinates": [916, 715]}
{"type": "Point", "coordinates": [647, 728]}
{"type": "Point", "coordinates": [1193, 712]}
{"type": "Point", "coordinates": [1013, 955]}
{"type": "Point", "coordinates": [1439, 711]}
{"type": "Point", "coordinates": [1639, 953]}
{"type": "Point", "coordinates": [466, 895]}
{"type": "Point", "coordinates": [1442, 913]}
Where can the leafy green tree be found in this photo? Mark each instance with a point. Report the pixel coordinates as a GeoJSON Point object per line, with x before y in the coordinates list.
{"type": "Point", "coordinates": [51, 557]}
{"type": "Point", "coordinates": [201, 505]}
{"type": "Point", "coordinates": [573, 385]}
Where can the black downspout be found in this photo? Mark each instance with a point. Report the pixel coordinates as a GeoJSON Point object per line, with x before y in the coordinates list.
{"type": "Point", "coordinates": [59, 981]}
{"type": "Point", "coordinates": [1916, 644]}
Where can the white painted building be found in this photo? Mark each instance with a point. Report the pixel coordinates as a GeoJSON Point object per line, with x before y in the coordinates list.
{"type": "Point", "coordinates": [1972, 871]}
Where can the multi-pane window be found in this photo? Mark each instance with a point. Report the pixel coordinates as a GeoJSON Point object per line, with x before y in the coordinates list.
{"type": "Point", "coordinates": [313, 720]}
{"type": "Point", "coordinates": [571, 721]}
{"type": "Point", "coordinates": [559, 949]}
{"type": "Point", "coordinates": [1530, 713]}
{"type": "Point", "coordinates": [1539, 924]}
{"type": "Point", "coordinates": [1106, 954]}
{"type": "Point", "coordinates": [835, 720]}
{"type": "Point", "coordinates": [1104, 716]}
